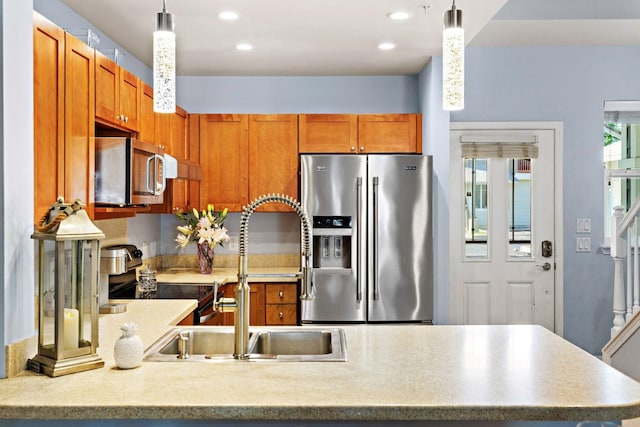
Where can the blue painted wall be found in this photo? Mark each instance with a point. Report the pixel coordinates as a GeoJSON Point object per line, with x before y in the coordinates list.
{"type": "Point", "coordinates": [567, 84]}
{"type": "Point", "coordinates": [347, 94]}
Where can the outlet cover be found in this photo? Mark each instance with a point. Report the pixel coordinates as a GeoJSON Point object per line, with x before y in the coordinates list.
{"type": "Point", "coordinates": [233, 243]}
{"type": "Point", "coordinates": [583, 244]}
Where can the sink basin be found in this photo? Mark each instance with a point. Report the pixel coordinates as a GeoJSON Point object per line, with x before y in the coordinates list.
{"type": "Point", "coordinates": [203, 343]}
{"type": "Point", "coordinates": [215, 343]}
{"type": "Point", "coordinates": [300, 344]}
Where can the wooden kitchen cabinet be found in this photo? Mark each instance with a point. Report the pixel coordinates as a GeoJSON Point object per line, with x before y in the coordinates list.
{"type": "Point", "coordinates": [256, 305]}
{"type": "Point", "coordinates": [64, 113]}
{"type": "Point", "coordinates": [281, 304]}
{"type": "Point", "coordinates": [328, 133]}
{"type": "Point", "coordinates": [118, 94]}
{"type": "Point", "coordinates": [390, 133]}
{"type": "Point", "coordinates": [224, 158]}
{"type": "Point", "coordinates": [147, 126]}
{"type": "Point", "coordinates": [177, 195]}
{"type": "Point", "coordinates": [360, 134]}
{"type": "Point", "coordinates": [193, 144]}
{"type": "Point", "coordinates": [243, 156]}
{"type": "Point", "coordinates": [273, 157]}
{"type": "Point", "coordinates": [171, 135]}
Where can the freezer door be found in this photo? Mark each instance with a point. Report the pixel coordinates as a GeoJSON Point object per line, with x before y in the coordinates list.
{"type": "Point", "coordinates": [400, 279]}
{"type": "Point", "coordinates": [335, 186]}
{"type": "Point", "coordinates": [335, 299]}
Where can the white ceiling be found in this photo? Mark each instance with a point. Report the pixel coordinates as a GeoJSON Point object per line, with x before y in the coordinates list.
{"type": "Point", "coordinates": [290, 37]}
{"type": "Point", "coordinates": [340, 37]}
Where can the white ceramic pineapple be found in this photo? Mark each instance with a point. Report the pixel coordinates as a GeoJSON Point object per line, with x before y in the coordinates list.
{"type": "Point", "coordinates": [128, 349]}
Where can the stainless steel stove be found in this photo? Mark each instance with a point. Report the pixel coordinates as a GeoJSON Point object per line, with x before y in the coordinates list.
{"type": "Point", "coordinates": [124, 259]}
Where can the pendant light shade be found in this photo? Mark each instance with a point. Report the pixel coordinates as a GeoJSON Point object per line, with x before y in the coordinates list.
{"type": "Point", "coordinates": [453, 60]}
{"type": "Point", "coordinates": [164, 63]}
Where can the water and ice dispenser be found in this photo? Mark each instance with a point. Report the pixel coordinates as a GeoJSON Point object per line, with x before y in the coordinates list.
{"type": "Point", "coordinates": [332, 241]}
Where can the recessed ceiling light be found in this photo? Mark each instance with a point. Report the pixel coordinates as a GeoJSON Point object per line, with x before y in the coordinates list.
{"type": "Point", "coordinates": [228, 15]}
{"type": "Point", "coordinates": [386, 46]}
{"type": "Point", "coordinates": [244, 46]}
{"type": "Point", "coordinates": [399, 15]}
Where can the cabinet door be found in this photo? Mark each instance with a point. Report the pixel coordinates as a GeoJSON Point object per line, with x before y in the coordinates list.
{"type": "Point", "coordinates": [129, 100]}
{"type": "Point", "coordinates": [163, 131]}
{"type": "Point", "coordinates": [48, 135]}
{"type": "Point", "coordinates": [147, 125]}
{"type": "Point", "coordinates": [257, 310]}
{"type": "Point", "coordinates": [79, 148]}
{"type": "Point", "coordinates": [224, 151]}
{"type": "Point", "coordinates": [328, 133]}
{"type": "Point", "coordinates": [178, 193]}
{"type": "Point", "coordinates": [273, 157]}
{"type": "Point", "coordinates": [117, 94]}
{"type": "Point", "coordinates": [389, 133]}
{"type": "Point", "coordinates": [107, 87]}
{"type": "Point", "coordinates": [193, 143]}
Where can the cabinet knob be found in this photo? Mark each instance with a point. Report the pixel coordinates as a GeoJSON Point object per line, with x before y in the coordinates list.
{"type": "Point", "coordinates": [353, 148]}
{"type": "Point", "coordinates": [126, 119]}
{"type": "Point", "coordinates": [281, 294]}
{"type": "Point", "coordinates": [362, 148]}
{"type": "Point", "coordinates": [281, 315]}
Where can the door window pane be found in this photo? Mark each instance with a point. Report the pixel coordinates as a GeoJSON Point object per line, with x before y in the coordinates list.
{"type": "Point", "coordinates": [519, 178]}
{"type": "Point", "coordinates": [476, 208]}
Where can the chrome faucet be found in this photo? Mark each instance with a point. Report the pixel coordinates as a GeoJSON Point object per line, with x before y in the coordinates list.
{"type": "Point", "coordinates": [240, 304]}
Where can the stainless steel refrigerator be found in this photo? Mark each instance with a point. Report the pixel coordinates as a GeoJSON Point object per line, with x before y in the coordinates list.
{"type": "Point", "coordinates": [372, 237]}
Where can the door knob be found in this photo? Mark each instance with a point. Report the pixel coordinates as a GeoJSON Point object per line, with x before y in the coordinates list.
{"type": "Point", "coordinates": [546, 266]}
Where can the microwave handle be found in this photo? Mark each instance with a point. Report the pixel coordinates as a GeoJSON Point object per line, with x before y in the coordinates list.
{"type": "Point", "coordinates": [163, 179]}
{"type": "Point", "coordinates": [149, 175]}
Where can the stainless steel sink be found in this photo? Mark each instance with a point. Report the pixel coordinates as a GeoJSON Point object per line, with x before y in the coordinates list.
{"type": "Point", "coordinates": [300, 344]}
{"type": "Point", "coordinates": [215, 343]}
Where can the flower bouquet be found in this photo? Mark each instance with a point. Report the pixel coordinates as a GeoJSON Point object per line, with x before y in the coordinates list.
{"type": "Point", "coordinates": [207, 230]}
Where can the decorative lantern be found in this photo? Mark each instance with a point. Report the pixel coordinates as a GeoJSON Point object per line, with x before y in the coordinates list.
{"type": "Point", "coordinates": [68, 260]}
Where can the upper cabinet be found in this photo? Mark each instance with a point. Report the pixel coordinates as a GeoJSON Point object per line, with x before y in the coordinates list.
{"type": "Point", "coordinates": [273, 157]}
{"type": "Point", "coordinates": [64, 111]}
{"type": "Point", "coordinates": [117, 94]}
{"type": "Point", "coordinates": [224, 157]}
{"type": "Point", "coordinates": [244, 156]}
{"type": "Point", "coordinates": [328, 133]}
{"type": "Point", "coordinates": [147, 127]}
{"type": "Point", "coordinates": [363, 133]}
{"type": "Point", "coordinates": [390, 133]}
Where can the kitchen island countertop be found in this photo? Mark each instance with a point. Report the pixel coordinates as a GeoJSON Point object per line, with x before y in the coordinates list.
{"type": "Point", "coordinates": [394, 372]}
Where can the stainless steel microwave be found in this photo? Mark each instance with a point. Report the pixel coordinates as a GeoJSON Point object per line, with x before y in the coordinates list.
{"type": "Point", "coordinates": [128, 172]}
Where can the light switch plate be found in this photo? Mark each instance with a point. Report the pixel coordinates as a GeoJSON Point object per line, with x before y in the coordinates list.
{"type": "Point", "coordinates": [583, 225]}
{"type": "Point", "coordinates": [583, 244]}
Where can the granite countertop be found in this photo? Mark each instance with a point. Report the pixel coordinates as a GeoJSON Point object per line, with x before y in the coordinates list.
{"type": "Point", "coordinates": [224, 275]}
{"type": "Point", "coordinates": [394, 372]}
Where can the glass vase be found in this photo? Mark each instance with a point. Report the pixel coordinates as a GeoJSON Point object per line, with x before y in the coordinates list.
{"type": "Point", "coordinates": [205, 257]}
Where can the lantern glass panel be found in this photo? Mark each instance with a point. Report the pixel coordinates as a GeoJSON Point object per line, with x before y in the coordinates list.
{"type": "Point", "coordinates": [46, 269]}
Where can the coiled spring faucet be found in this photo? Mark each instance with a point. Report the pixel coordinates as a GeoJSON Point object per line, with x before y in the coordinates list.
{"type": "Point", "coordinates": [240, 304]}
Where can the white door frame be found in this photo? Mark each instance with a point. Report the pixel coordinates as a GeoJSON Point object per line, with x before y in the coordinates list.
{"type": "Point", "coordinates": [557, 128]}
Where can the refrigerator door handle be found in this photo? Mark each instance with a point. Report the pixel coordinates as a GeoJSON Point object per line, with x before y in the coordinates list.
{"type": "Point", "coordinates": [358, 232]}
{"type": "Point", "coordinates": [376, 291]}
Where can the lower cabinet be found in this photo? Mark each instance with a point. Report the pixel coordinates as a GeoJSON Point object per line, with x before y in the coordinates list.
{"type": "Point", "coordinates": [281, 302]}
{"type": "Point", "coordinates": [269, 304]}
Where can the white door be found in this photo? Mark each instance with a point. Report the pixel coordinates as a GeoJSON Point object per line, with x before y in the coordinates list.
{"type": "Point", "coordinates": [502, 227]}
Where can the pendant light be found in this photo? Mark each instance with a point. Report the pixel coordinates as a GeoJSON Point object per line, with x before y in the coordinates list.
{"type": "Point", "coordinates": [164, 63]}
{"type": "Point", "coordinates": [453, 60]}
